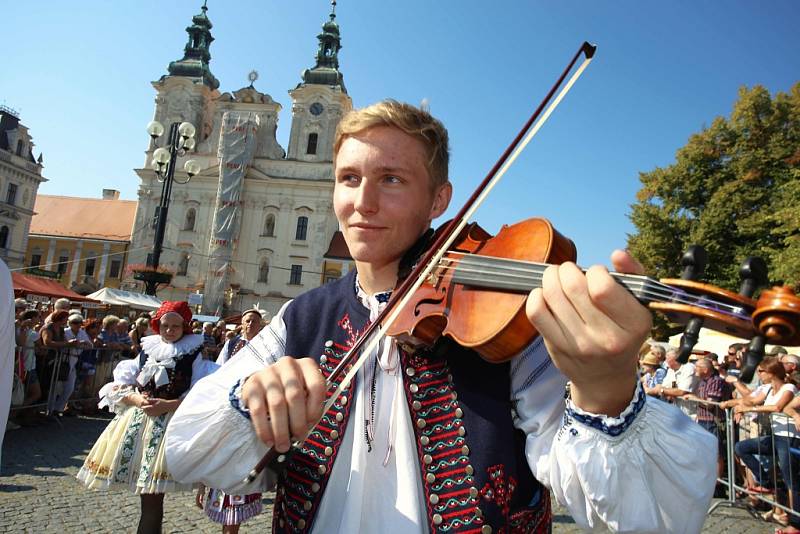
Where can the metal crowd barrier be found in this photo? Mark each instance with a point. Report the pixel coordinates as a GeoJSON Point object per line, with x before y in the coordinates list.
{"type": "Point", "coordinates": [86, 385]}
{"type": "Point", "coordinates": [774, 454]}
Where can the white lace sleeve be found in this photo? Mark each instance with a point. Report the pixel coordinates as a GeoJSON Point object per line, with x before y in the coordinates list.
{"type": "Point", "coordinates": [210, 438]}
{"type": "Point", "coordinates": [124, 383]}
{"type": "Point", "coordinates": [652, 469]}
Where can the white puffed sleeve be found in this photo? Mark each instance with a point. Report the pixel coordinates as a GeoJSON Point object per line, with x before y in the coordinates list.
{"type": "Point", "coordinates": [210, 439]}
{"type": "Point", "coordinates": [124, 383]}
{"type": "Point", "coordinates": [652, 469]}
{"type": "Point", "coordinates": [201, 368]}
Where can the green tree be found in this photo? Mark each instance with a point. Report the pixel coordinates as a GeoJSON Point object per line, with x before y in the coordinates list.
{"type": "Point", "coordinates": [734, 188]}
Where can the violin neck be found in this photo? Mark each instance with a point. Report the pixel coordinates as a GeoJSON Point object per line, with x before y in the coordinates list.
{"type": "Point", "coordinates": [519, 276]}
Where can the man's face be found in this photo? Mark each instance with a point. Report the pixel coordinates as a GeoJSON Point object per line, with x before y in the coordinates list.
{"type": "Point", "coordinates": [383, 197]}
{"type": "Point", "coordinates": [208, 329]}
{"type": "Point", "coordinates": [75, 326]}
{"type": "Point", "coordinates": [672, 361]}
{"type": "Point", "coordinates": [251, 324]}
{"type": "Point", "coordinates": [788, 365]}
{"type": "Point", "coordinates": [702, 369]}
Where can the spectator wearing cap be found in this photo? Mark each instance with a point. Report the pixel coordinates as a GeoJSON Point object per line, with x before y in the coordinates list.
{"type": "Point", "coordinates": [252, 323]}
{"type": "Point", "coordinates": [778, 351]}
{"type": "Point", "coordinates": [58, 305]}
{"type": "Point", "coordinates": [652, 373]}
{"type": "Point", "coordinates": [790, 363]}
{"type": "Point", "coordinates": [77, 340]}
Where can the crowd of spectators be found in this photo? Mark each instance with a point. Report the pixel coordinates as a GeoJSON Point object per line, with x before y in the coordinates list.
{"type": "Point", "coordinates": [766, 415]}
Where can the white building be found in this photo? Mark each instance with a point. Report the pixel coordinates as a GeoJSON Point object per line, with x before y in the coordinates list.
{"type": "Point", "coordinates": [284, 223]}
{"type": "Point", "coordinates": [20, 176]}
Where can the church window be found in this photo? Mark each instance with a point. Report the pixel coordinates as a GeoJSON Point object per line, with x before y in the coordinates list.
{"type": "Point", "coordinates": [296, 276]}
{"type": "Point", "coordinates": [311, 147]}
{"type": "Point", "coordinates": [302, 228]}
{"type": "Point", "coordinates": [263, 271]}
{"type": "Point", "coordinates": [183, 265]}
{"type": "Point", "coordinates": [4, 237]}
{"type": "Point", "coordinates": [11, 194]}
{"type": "Point", "coordinates": [188, 224]}
{"type": "Point", "coordinates": [269, 225]}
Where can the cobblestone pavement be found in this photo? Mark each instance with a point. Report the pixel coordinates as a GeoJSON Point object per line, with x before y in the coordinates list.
{"type": "Point", "coordinates": [39, 492]}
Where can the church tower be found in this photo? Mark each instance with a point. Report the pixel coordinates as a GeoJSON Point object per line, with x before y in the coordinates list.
{"type": "Point", "coordinates": [320, 100]}
{"type": "Point", "coordinates": [187, 92]}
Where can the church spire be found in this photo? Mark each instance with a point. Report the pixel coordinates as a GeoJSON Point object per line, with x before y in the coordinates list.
{"type": "Point", "coordinates": [196, 55]}
{"type": "Point", "coordinates": [326, 70]}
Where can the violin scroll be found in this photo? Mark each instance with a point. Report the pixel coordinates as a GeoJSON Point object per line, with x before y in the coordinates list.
{"type": "Point", "coordinates": [777, 315]}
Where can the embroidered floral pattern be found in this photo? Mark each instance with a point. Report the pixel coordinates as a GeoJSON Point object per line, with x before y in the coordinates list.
{"type": "Point", "coordinates": [499, 490]}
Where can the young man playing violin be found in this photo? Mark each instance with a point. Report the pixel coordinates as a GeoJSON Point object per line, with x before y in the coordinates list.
{"type": "Point", "coordinates": [441, 440]}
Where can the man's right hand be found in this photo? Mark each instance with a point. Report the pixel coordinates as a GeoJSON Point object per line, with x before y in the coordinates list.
{"type": "Point", "coordinates": [284, 400]}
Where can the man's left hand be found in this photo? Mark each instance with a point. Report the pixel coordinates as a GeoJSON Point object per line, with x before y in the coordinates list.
{"type": "Point", "coordinates": [593, 328]}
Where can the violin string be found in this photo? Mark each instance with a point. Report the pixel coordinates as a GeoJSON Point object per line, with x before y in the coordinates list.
{"type": "Point", "coordinates": [531, 278]}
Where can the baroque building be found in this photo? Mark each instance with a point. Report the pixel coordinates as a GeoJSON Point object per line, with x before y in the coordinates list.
{"type": "Point", "coordinates": [20, 176]}
{"type": "Point", "coordinates": [255, 226]}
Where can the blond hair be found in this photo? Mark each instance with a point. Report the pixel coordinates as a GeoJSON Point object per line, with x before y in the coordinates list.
{"type": "Point", "coordinates": [416, 122]}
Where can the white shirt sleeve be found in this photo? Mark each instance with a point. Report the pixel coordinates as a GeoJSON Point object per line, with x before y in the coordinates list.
{"type": "Point", "coordinates": [210, 439]}
{"type": "Point", "coordinates": [687, 379]}
{"type": "Point", "coordinates": [124, 383]}
{"type": "Point", "coordinates": [651, 469]}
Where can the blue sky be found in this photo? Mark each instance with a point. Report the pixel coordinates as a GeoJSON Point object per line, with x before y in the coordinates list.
{"type": "Point", "coordinates": [80, 73]}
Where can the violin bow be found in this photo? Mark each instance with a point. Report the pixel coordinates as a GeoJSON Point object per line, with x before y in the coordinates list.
{"type": "Point", "coordinates": [367, 342]}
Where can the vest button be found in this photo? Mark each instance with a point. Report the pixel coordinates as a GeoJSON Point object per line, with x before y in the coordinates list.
{"type": "Point", "coordinates": [315, 487]}
{"type": "Point", "coordinates": [465, 450]}
{"type": "Point", "coordinates": [328, 451]}
{"type": "Point", "coordinates": [334, 434]}
{"type": "Point", "coordinates": [414, 388]}
{"type": "Point", "coordinates": [307, 506]}
{"type": "Point", "coordinates": [469, 470]}
{"type": "Point", "coordinates": [427, 459]}
{"type": "Point", "coordinates": [486, 529]}
{"type": "Point", "coordinates": [410, 371]}
{"type": "Point", "coordinates": [322, 470]}
{"type": "Point", "coordinates": [416, 405]}
{"type": "Point", "coordinates": [424, 440]}
{"type": "Point", "coordinates": [421, 423]}
{"type": "Point", "coordinates": [437, 519]}
{"type": "Point", "coordinates": [459, 412]}
{"type": "Point", "coordinates": [434, 498]}
{"type": "Point", "coordinates": [301, 523]}
{"type": "Point", "coordinates": [323, 359]}
{"type": "Point", "coordinates": [462, 431]}
{"type": "Point", "coordinates": [430, 478]}
{"type": "Point", "coordinates": [343, 400]}
{"type": "Point", "coordinates": [455, 395]}
{"type": "Point", "coordinates": [340, 417]}
{"type": "Point", "coordinates": [473, 492]}
{"type": "Point", "coordinates": [478, 512]}
{"type": "Point", "coordinates": [329, 343]}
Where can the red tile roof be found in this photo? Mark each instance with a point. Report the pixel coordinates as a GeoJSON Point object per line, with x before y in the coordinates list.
{"type": "Point", "coordinates": [89, 218]}
{"type": "Point", "coordinates": [338, 248]}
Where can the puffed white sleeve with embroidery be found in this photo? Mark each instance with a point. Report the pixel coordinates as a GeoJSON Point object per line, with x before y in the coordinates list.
{"type": "Point", "coordinates": [652, 469]}
{"type": "Point", "coordinates": [124, 384]}
{"type": "Point", "coordinates": [210, 439]}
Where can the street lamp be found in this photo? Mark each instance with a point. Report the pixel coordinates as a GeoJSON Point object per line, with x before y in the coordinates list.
{"type": "Point", "coordinates": [179, 142]}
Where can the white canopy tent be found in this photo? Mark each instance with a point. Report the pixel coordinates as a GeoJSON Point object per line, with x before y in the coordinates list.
{"type": "Point", "coordinates": [118, 297]}
{"type": "Point", "coordinates": [718, 343]}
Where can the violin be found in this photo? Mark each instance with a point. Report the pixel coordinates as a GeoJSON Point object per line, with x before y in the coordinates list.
{"type": "Point", "coordinates": [472, 287]}
{"type": "Point", "coordinates": [477, 294]}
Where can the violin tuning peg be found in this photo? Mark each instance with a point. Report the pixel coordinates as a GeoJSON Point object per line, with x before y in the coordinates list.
{"type": "Point", "coordinates": [694, 262]}
{"type": "Point", "coordinates": [691, 334]}
{"type": "Point", "coordinates": [753, 273]}
{"type": "Point", "coordinates": [752, 357]}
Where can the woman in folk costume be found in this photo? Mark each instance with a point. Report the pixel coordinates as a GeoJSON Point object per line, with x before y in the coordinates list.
{"type": "Point", "coordinates": [226, 509]}
{"type": "Point", "coordinates": [145, 393]}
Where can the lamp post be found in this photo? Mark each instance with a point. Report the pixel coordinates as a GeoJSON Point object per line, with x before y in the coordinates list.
{"type": "Point", "coordinates": [179, 141]}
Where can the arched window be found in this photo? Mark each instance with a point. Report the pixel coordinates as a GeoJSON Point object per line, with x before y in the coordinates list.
{"type": "Point", "coordinates": [263, 271]}
{"type": "Point", "coordinates": [269, 225]}
{"type": "Point", "coordinates": [311, 147]}
{"type": "Point", "coordinates": [183, 265]}
{"type": "Point", "coordinates": [188, 224]}
{"type": "Point", "coordinates": [302, 228]}
{"type": "Point", "coordinates": [4, 237]}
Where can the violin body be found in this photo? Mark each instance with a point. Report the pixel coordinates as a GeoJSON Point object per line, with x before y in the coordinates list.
{"type": "Point", "coordinates": [491, 322]}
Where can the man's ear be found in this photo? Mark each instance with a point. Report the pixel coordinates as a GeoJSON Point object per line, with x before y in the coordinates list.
{"type": "Point", "coordinates": [441, 199]}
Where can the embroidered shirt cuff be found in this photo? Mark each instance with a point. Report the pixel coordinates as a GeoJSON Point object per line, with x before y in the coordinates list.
{"type": "Point", "coordinates": [235, 398]}
{"type": "Point", "coordinates": [611, 426]}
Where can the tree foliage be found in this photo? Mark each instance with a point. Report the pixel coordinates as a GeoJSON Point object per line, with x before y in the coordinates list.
{"type": "Point", "coordinates": [734, 188]}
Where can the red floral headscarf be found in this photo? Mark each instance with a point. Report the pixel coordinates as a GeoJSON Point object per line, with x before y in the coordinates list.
{"type": "Point", "coordinates": [180, 307]}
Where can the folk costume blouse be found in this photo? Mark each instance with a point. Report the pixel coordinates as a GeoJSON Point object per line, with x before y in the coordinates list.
{"type": "Point", "coordinates": [649, 470]}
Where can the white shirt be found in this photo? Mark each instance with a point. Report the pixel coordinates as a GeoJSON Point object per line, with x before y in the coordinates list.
{"type": "Point", "coordinates": [626, 482]}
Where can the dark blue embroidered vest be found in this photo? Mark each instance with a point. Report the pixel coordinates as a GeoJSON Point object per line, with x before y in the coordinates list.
{"type": "Point", "coordinates": [471, 458]}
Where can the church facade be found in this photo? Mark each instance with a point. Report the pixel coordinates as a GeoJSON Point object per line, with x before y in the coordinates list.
{"type": "Point", "coordinates": [263, 237]}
